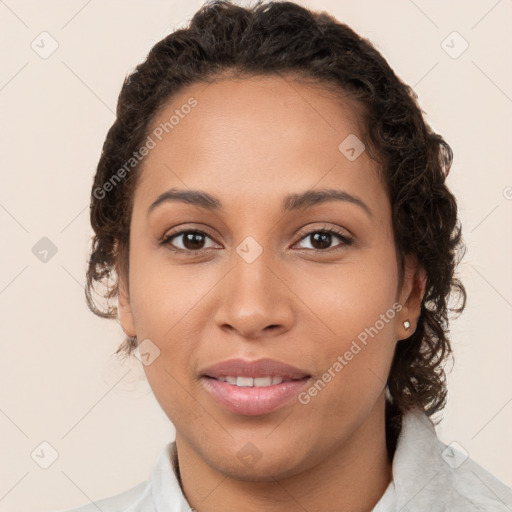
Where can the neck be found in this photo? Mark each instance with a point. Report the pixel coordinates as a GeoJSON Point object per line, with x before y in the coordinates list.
{"type": "Point", "coordinates": [353, 477]}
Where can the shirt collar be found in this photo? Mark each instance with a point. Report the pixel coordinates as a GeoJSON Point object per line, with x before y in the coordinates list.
{"type": "Point", "coordinates": [429, 475]}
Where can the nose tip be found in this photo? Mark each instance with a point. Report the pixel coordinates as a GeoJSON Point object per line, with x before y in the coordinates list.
{"type": "Point", "coordinates": [251, 326]}
{"type": "Point", "coordinates": [253, 302]}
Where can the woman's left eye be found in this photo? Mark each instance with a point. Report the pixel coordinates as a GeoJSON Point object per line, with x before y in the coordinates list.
{"type": "Point", "coordinates": [193, 241]}
{"type": "Point", "coordinates": [323, 239]}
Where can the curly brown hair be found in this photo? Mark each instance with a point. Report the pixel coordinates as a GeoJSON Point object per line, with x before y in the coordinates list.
{"type": "Point", "coordinates": [285, 38]}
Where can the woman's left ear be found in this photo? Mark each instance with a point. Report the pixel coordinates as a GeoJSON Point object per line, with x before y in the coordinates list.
{"type": "Point", "coordinates": [124, 310]}
{"type": "Point", "coordinates": [411, 296]}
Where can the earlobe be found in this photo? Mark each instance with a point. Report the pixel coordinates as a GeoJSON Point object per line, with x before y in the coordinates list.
{"type": "Point", "coordinates": [413, 290]}
{"type": "Point", "coordinates": [124, 310]}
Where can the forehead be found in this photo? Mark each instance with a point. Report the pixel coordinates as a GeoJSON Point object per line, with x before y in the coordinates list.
{"type": "Point", "coordinates": [248, 140]}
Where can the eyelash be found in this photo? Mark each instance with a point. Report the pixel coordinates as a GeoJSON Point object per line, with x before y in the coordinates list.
{"type": "Point", "coordinates": [346, 241]}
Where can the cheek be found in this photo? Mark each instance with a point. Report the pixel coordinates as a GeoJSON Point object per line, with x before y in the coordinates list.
{"type": "Point", "coordinates": [166, 296]}
{"type": "Point", "coordinates": [355, 302]}
{"type": "Point", "coordinates": [351, 296]}
{"type": "Point", "coordinates": [168, 305]}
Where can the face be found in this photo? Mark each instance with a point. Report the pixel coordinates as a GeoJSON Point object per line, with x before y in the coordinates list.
{"type": "Point", "coordinates": [220, 284]}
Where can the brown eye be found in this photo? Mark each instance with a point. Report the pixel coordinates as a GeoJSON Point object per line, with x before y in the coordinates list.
{"type": "Point", "coordinates": [321, 239]}
{"type": "Point", "coordinates": [187, 240]}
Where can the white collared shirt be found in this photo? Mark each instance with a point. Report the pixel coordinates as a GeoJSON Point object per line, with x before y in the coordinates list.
{"type": "Point", "coordinates": [427, 476]}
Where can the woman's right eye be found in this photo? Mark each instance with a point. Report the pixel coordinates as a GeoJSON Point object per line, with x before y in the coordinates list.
{"type": "Point", "coordinates": [190, 241]}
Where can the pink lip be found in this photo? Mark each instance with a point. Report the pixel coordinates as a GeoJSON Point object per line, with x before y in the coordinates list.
{"type": "Point", "coordinates": [259, 368]}
{"type": "Point", "coordinates": [253, 401]}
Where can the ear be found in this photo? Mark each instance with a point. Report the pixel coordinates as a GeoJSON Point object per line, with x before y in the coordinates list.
{"type": "Point", "coordinates": [124, 310]}
{"type": "Point", "coordinates": [411, 296]}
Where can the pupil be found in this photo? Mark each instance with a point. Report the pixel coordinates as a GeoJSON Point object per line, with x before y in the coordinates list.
{"type": "Point", "coordinates": [323, 239]}
{"type": "Point", "coordinates": [193, 240]}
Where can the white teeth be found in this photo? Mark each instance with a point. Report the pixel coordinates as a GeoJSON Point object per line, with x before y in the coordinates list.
{"type": "Point", "coordinates": [244, 381]}
{"type": "Point", "coordinates": [258, 382]}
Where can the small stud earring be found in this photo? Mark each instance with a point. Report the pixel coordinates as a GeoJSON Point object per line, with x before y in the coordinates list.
{"type": "Point", "coordinates": [407, 324]}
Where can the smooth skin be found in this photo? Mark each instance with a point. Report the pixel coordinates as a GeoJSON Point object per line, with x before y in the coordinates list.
{"type": "Point", "coordinates": [251, 142]}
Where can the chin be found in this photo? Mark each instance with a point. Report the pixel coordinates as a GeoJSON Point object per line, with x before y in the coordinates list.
{"type": "Point", "coordinates": [253, 465]}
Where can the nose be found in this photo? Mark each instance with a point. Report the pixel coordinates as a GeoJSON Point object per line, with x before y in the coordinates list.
{"type": "Point", "coordinates": [254, 300]}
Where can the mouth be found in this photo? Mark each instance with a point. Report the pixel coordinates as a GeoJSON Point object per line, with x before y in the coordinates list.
{"type": "Point", "coordinates": [253, 382]}
{"type": "Point", "coordinates": [253, 388]}
{"type": "Point", "coordinates": [243, 370]}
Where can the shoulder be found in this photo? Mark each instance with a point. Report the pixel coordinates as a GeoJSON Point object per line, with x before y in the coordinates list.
{"type": "Point", "coordinates": [428, 474]}
{"type": "Point", "coordinates": [161, 492]}
{"type": "Point", "coordinates": [126, 501]}
{"type": "Point", "coordinates": [472, 485]}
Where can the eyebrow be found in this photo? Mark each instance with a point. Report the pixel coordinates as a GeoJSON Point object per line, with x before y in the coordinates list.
{"type": "Point", "coordinates": [291, 202]}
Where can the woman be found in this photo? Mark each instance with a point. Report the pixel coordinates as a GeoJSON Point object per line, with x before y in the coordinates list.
{"type": "Point", "coordinates": [271, 214]}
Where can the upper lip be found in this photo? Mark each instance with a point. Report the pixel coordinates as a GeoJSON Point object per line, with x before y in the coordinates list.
{"type": "Point", "coordinates": [254, 369]}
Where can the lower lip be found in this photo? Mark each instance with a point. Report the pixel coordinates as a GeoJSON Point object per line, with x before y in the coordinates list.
{"type": "Point", "coordinates": [253, 401]}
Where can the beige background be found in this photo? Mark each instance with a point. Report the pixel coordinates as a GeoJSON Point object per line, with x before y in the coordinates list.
{"type": "Point", "coordinates": [60, 383]}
